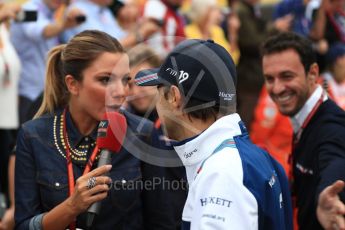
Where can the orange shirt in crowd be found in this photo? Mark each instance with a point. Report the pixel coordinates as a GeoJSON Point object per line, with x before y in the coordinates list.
{"type": "Point", "coordinates": [271, 130]}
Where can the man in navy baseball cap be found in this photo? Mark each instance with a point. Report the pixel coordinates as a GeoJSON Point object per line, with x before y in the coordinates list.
{"type": "Point", "coordinates": [201, 69]}
{"type": "Point", "coordinates": [232, 183]}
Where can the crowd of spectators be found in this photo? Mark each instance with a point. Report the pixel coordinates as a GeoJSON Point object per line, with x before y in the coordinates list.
{"type": "Point", "coordinates": [156, 27]}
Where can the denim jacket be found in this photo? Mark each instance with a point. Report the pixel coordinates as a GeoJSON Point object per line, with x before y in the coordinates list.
{"type": "Point", "coordinates": [41, 175]}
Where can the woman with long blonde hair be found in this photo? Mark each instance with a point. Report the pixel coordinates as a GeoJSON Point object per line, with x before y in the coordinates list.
{"type": "Point", "coordinates": [84, 78]}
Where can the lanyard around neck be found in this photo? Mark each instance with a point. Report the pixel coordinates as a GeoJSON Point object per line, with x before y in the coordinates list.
{"type": "Point", "coordinates": [298, 134]}
{"type": "Point", "coordinates": [295, 141]}
{"type": "Point", "coordinates": [70, 173]}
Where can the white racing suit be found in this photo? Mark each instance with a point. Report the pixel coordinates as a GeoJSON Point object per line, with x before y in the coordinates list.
{"type": "Point", "coordinates": [232, 183]}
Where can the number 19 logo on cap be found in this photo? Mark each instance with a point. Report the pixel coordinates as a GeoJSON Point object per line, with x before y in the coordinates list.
{"type": "Point", "coordinates": [183, 76]}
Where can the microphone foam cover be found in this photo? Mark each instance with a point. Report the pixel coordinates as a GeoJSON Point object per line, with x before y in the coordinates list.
{"type": "Point", "coordinates": [111, 131]}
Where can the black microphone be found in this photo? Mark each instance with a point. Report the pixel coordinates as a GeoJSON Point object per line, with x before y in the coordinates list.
{"type": "Point", "coordinates": [111, 133]}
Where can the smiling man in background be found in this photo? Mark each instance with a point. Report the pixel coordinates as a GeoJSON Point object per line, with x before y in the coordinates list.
{"type": "Point", "coordinates": [318, 156]}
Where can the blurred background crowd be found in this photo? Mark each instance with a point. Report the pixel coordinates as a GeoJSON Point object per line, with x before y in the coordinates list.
{"type": "Point", "coordinates": [149, 29]}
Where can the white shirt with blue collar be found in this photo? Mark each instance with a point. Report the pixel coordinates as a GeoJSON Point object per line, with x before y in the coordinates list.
{"type": "Point", "coordinates": [217, 198]}
{"type": "Point", "coordinates": [232, 183]}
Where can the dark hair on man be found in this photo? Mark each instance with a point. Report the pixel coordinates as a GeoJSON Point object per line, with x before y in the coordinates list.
{"type": "Point", "coordinates": [202, 110]}
{"type": "Point", "coordinates": [290, 40]}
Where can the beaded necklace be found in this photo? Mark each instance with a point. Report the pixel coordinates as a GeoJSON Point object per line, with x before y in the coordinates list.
{"type": "Point", "coordinates": [78, 156]}
{"type": "Point", "coordinates": [69, 156]}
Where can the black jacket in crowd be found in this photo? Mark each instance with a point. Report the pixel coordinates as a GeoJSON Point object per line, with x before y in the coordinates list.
{"type": "Point", "coordinates": [318, 161]}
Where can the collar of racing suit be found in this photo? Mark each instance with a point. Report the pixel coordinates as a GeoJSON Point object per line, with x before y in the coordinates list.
{"type": "Point", "coordinates": [193, 151]}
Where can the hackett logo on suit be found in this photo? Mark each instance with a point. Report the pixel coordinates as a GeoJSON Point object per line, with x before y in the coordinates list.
{"type": "Point", "coordinates": [215, 201]}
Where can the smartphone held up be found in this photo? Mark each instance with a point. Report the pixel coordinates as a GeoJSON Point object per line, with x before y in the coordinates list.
{"type": "Point", "coordinates": [80, 19]}
{"type": "Point", "coordinates": [26, 16]}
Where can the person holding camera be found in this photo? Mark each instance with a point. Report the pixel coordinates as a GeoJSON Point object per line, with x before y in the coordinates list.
{"type": "Point", "coordinates": [99, 17]}
{"type": "Point", "coordinates": [33, 37]}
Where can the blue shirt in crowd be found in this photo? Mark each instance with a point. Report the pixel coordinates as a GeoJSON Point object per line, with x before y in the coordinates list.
{"type": "Point", "coordinates": [98, 18]}
{"type": "Point", "coordinates": [32, 48]}
{"type": "Point", "coordinates": [301, 24]}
